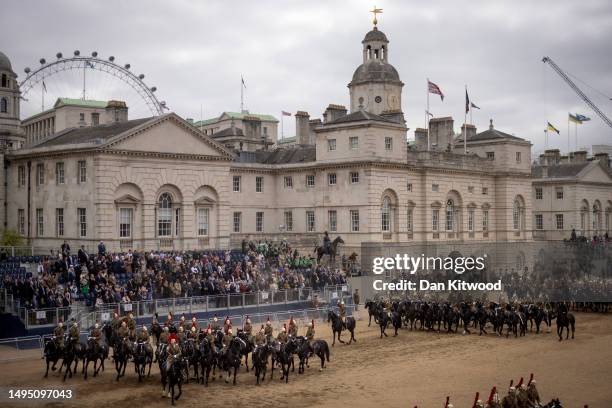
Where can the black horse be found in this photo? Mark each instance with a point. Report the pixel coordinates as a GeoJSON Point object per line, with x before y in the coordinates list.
{"type": "Point", "coordinates": [282, 353]}
{"type": "Point", "coordinates": [94, 353]}
{"type": "Point", "coordinates": [337, 326]}
{"type": "Point", "coordinates": [565, 320]}
{"type": "Point", "coordinates": [121, 354]}
{"type": "Point", "coordinates": [248, 349]}
{"type": "Point", "coordinates": [156, 331]}
{"type": "Point", "coordinates": [373, 309]}
{"type": "Point", "coordinates": [192, 357]}
{"type": "Point", "coordinates": [172, 377]}
{"type": "Point", "coordinates": [52, 354]}
{"type": "Point", "coordinates": [233, 357]}
{"type": "Point", "coordinates": [69, 357]}
{"type": "Point", "coordinates": [260, 361]}
{"type": "Point", "coordinates": [331, 251]}
{"type": "Point", "coordinates": [320, 349]}
{"type": "Point", "coordinates": [303, 351]}
{"type": "Point", "coordinates": [208, 360]}
{"type": "Point", "coordinates": [383, 321]}
{"type": "Point", "coordinates": [143, 356]}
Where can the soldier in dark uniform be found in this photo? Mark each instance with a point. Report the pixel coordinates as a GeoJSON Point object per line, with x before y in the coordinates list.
{"type": "Point", "coordinates": [193, 333]}
{"type": "Point", "coordinates": [116, 322]}
{"type": "Point", "coordinates": [123, 331]}
{"type": "Point", "coordinates": [180, 335]}
{"type": "Point", "coordinates": [211, 339]}
{"type": "Point", "coordinates": [227, 324]}
{"type": "Point", "coordinates": [509, 401]}
{"type": "Point", "coordinates": [269, 330]}
{"type": "Point", "coordinates": [227, 339]}
{"type": "Point", "coordinates": [170, 324]}
{"type": "Point", "coordinates": [165, 334]}
{"type": "Point", "coordinates": [282, 336]}
{"type": "Point", "coordinates": [532, 392]}
{"type": "Point", "coordinates": [174, 351]}
{"type": "Point", "coordinates": [58, 333]}
{"type": "Point", "coordinates": [143, 335]}
{"type": "Point", "coordinates": [248, 327]}
{"type": "Point", "coordinates": [182, 322]}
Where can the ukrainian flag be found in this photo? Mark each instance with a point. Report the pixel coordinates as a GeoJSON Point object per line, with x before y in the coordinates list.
{"type": "Point", "coordinates": [574, 119]}
{"type": "Point", "coordinates": [552, 128]}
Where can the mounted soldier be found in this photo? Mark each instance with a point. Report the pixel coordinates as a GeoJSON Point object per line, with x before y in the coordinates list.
{"type": "Point", "coordinates": [182, 322]}
{"type": "Point", "coordinates": [143, 335]}
{"type": "Point", "coordinates": [74, 334]}
{"type": "Point", "coordinates": [96, 333]}
{"type": "Point", "coordinates": [327, 243]}
{"type": "Point", "coordinates": [116, 322]}
{"type": "Point", "coordinates": [310, 332]}
{"type": "Point", "coordinates": [123, 331]}
{"type": "Point", "coordinates": [194, 323]}
{"type": "Point", "coordinates": [215, 324]}
{"type": "Point", "coordinates": [268, 331]}
{"type": "Point", "coordinates": [293, 329]}
{"type": "Point", "coordinates": [58, 333]}
{"type": "Point", "coordinates": [282, 336]}
{"type": "Point", "coordinates": [174, 351]}
{"type": "Point", "coordinates": [342, 312]}
{"type": "Point", "coordinates": [227, 339]}
{"type": "Point", "coordinates": [131, 324]}
{"type": "Point", "coordinates": [211, 339]}
{"type": "Point", "coordinates": [227, 324]}
{"type": "Point", "coordinates": [260, 337]}
{"type": "Point", "coordinates": [180, 336]}
{"type": "Point", "coordinates": [193, 333]}
{"type": "Point", "coordinates": [170, 324]}
{"type": "Point", "coordinates": [248, 327]}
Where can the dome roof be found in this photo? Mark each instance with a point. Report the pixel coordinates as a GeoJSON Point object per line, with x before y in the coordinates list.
{"type": "Point", "coordinates": [375, 70]}
{"type": "Point", "coordinates": [375, 35]}
{"type": "Point", "coordinates": [5, 63]}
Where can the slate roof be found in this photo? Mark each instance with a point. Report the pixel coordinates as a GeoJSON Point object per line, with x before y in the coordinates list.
{"type": "Point", "coordinates": [230, 131]}
{"type": "Point", "coordinates": [292, 155]}
{"type": "Point", "coordinates": [360, 115]}
{"type": "Point", "coordinates": [489, 134]}
{"type": "Point", "coordinates": [560, 170]}
{"type": "Point", "coordinates": [91, 134]}
{"type": "Point", "coordinates": [375, 70]}
{"type": "Point", "coordinates": [236, 115]}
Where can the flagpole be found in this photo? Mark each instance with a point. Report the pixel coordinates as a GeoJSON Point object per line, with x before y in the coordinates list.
{"type": "Point", "coordinates": [465, 126]}
{"type": "Point", "coordinates": [241, 94]}
{"type": "Point", "coordinates": [84, 71]}
{"type": "Point", "coordinates": [568, 135]}
{"type": "Point", "coordinates": [546, 137]}
{"type": "Point", "coordinates": [427, 115]}
{"type": "Point", "coordinates": [42, 93]}
{"type": "Point", "coordinates": [282, 127]}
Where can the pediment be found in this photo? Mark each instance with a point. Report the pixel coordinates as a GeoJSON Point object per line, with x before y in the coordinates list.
{"type": "Point", "coordinates": [127, 199]}
{"type": "Point", "coordinates": [205, 201]}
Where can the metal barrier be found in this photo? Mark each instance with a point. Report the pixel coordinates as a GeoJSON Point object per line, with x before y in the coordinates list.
{"type": "Point", "coordinates": [20, 348]}
{"type": "Point", "coordinates": [17, 250]}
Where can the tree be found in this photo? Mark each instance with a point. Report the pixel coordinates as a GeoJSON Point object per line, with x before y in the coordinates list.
{"type": "Point", "coordinates": [11, 238]}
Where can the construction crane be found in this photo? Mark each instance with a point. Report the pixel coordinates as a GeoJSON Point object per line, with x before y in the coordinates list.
{"type": "Point", "coordinates": [581, 94]}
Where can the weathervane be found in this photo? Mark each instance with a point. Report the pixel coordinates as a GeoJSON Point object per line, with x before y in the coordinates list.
{"type": "Point", "coordinates": [376, 11]}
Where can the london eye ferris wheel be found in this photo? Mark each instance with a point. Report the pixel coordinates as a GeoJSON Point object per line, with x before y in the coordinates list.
{"type": "Point", "coordinates": [87, 78]}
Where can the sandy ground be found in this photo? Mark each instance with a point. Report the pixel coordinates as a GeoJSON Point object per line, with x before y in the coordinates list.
{"type": "Point", "coordinates": [415, 368]}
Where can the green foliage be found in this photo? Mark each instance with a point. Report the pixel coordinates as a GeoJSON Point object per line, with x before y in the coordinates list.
{"type": "Point", "coordinates": [11, 238]}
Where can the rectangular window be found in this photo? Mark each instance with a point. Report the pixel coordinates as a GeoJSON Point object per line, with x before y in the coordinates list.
{"type": "Point", "coordinates": [388, 143]}
{"type": "Point", "coordinates": [40, 222]}
{"type": "Point", "coordinates": [471, 220]}
{"type": "Point", "coordinates": [409, 187]}
{"type": "Point", "coordinates": [125, 222]}
{"type": "Point", "coordinates": [409, 220]}
{"type": "Point", "coordinates": [82, 172]}
{"type": "Point", "coordinates": [333, 220]}
{"type": "Point", "coordinates": [59, 173]}
{"type": "Point", "coordinates": [237, 221]}
{"type": "Point", "coordinates": [289, 221]}
{"type": "Point", "coordinates": [288, 182]}
{"type": "Point", "coordinates": [202, 221]}
{"type": "Point", "coordinates": [331, 144]}
{"type": "Point", "coordinates": [435, 187]}
{"type": "Point", "coordinates": [559, 219]}
{"type": "Point", "coordinates": [310, 221]}
{"type": "Point", "coordinates": [259, 220]}
{"type": "Point", "coordinates": [485, 220]}
{"type": "Point", "coordinates": [40, 174]}
{"type": "Point", "coordinates": [21, 176]}
{"type": "Point", "coordinates": [331, 179]}
{"type": "Point", "coordinates": [82, 218]}
{"type": "Point", "coordinates": [559, 193]}
{"type": "Point", "coordinates": [354, 177]}
{"type": "Point", "coordinates": [491, 155]}
{"type": "Point", "coordinates": [539, 221]}
{"type": "Point", "coordinates": [354, 142]}
{"type": "Point", "coordinates": [538, 193]}
{"type": "Point", "coordinates": [21, 221]}
{"type": "Point", "coordinates": [435, 215]}
{"type": "Point", "coordinates": [355, 220]}
{"type": "Point", "coordinates": [485, 190]}
{"type": "Point", "coordinates": [82, 117]}
{"type": "Point", "coordinates": [310, 180]}
{"type": "Point", "coordinates": [259, 184]}
{"type": "Point", "coordinates": [518, 157]}
{"type": "Point", "coordinates": [59, 222]}
{"type": "Point", "coordinates": [95, 119]}
{"type": "Point", "coordinates": [236, 184]}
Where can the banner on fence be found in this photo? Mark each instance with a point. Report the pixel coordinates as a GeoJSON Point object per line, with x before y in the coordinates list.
{"type": "Point", "coordinates": [127, 307]}
{"type": "Point", "coordinates": [334, 295]}
{"type": "Point", "coordinates": [105, 316]}
{"type": "Point", "coordinates": [41, 314]}
{"type": "Point", "coordinates": [264, 295]}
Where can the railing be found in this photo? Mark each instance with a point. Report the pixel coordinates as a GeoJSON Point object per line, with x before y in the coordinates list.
{"type": "Point", "coordinates": [87, 316]}
{"type": "Point", "coordinates": [17, 250]}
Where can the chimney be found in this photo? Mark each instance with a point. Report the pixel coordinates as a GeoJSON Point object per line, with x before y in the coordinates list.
{"type": "Point", "coordinates": [441, 133]}
{"type": "Point", "coordinates": [334, 112]}
{"type": "Point", "coordinates": [564, 160]}
{"type": "Point", "coordinates": [420, 138]}
{"type": "Point", "coordinates": [579, 156]}
{"type": "Point", "coordinates": [470, 131]}
{"type": "Point", "coordinates": [302, 128]}
{"type": "Point", "coordinates": [603, 159]}
{"type": "Point", "coordinates": [116, 111]}
{"type": "Point", "coordinates": [552, 156]}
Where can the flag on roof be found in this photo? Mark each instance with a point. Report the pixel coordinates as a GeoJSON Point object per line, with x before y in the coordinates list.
{"type": "Point", "coordinates": [551, 128]}
{"type": "Point", "coordinates": [435, 89]}
{"type": "Point", "coordinates": [574, 119]}
{"type": "Point", "coordinates": [285, 113]}
{"type": "Point", "coordinates": [473, 105]}
{"type": "Point", "coordinates": [582, 118]}
{"type": "Point", "coordinates": [89, 64]}
{"type": "Point", "coordinates": [467, 101]}
{"type": "Point", "coordinates": [242, 79]}
{"type": "Point", "coordinates": [44, 86]}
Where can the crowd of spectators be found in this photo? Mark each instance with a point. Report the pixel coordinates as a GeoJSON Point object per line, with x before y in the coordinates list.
{"type": "Point", "coordinates": [105, 277]}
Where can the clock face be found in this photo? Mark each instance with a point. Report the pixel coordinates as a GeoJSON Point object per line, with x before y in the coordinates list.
{"type": "Point", "coordinates": [393, 102]}
{"type": "Point", "coordinates": [378, 99]}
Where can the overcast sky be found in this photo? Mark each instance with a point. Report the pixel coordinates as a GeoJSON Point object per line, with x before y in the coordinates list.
{"type": "Point", "coordinates": [300, 55]}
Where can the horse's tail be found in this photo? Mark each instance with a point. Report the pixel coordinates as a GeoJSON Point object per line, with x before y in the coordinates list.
{"type": "Point", "coordinates": [326, 350]}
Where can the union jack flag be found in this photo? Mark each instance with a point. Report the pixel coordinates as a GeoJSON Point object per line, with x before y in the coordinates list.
{"type": "Point", "coordinates": [435, 89]}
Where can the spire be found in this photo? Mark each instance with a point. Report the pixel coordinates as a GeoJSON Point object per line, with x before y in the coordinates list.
{"type": "Point", "coordinates": [376, 11]}
{"type": "Point", "coordinates": [490, 124]}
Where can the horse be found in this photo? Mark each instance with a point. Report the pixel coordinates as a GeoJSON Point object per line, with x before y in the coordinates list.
{"type": "Point", "coordinates": [249, 347]}
{"type": "Point", "coordinates": [143, 355]}
{"type": "Point", "coordinates": [303, 351]}
{"type": "Point", "coordinates": [565, 319]}
{"type": "Point", "coordinates": [69, 356]}
{"type": "Point", "coordinates": [283, 354]}
{"type": "Point", "coordinates": [192, 356]}
{"type": "Point", "coordinates": [320, 349]}
{"type": "Point", "coordinates": [52, 353]}
{"type": "Point", "coordinates": [383, 322]}
{"type": "Point", "coordinates": [172, 378]}
{"type": "Point", "coordinates": [208, 360]}
{"type": "Point", "coordinates": [156, 331]}
{"type": "Point", "coordinates": [121, 354]}
{"type": "Point", "coordinates": [233, 357]}
{"type": "Point", "coordinates": [396, 321]}
{"type": "Point", "coordinates": [260, 361]}
{"type": "Point", "coordinates": [94, 353]}
{"type": "Point", "coordinates": [331, 251]}
{"type": "Point", "coordinates": [372, 308]}
{"type": "Point", "coordinates": [337, 326]}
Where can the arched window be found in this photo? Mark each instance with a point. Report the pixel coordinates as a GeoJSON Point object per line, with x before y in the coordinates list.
{"type": "Point", "coordinates": [4, 81]}
{"type": "Point", "coordinates": [369, 52]}
{"type": "Point", "coordinates": [164, 216]}
{"type": "Point", "coordinates": [596, 217]}
{"type": "Point", "coordinates": [516, 215]}
{"type": "Point", "coordinates": [3, 105]}
{"type": "Point", "coordinates": [450, 215]}
{"type": "Point", "coordinates": [385, 215]}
